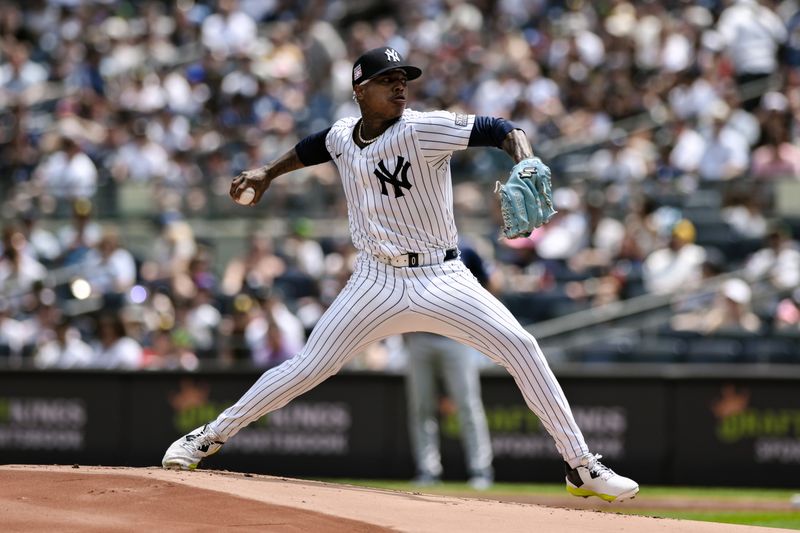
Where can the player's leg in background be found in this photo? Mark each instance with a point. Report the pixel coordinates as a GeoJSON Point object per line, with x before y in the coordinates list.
{"type": "Point", "coordinates": [422, 405]}
{"type": "Point", "coordinates": [463, 382]}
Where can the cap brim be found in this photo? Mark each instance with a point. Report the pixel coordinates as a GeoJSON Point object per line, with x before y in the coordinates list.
{"type": "Point", "coordinates": [412, 73]}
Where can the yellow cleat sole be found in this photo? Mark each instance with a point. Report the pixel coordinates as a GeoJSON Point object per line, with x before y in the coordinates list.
{"type": "Point", "coordinates": [583, 493]}
{"type": "Point", "coordinates": [176, 466]}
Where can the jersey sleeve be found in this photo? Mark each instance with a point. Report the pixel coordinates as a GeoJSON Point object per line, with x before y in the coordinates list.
{"type": "Point", "coordinates": [442, 132]}
{"type": "Point", "coordinates": [313, 149]}
{"type": "Point", "coordinates": [490, 131]}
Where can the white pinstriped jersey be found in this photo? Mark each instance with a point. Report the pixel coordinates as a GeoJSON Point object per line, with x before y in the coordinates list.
{"type": "Point", "coordinates": [399, 190]}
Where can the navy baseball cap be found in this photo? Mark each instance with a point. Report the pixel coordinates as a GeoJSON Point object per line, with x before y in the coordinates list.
{"type": "Point", "coordinates": [379, 60]}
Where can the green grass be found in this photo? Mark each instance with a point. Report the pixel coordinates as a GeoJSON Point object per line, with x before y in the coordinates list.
{"type": "Point", "coordinates": [453, 487]}
{"type": "Point", "coordinates": [719, 492]}
{"type": "Point", "coordinates": [784, 518]}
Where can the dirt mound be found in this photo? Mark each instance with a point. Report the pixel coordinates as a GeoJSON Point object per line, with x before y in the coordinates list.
{"type": "Point", "coordinates": [70, 499]}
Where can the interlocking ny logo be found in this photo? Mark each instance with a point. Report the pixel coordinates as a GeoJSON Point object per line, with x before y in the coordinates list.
{"type": "Point", "coordinates": [390, 178]}
{"type": "Point", "coordinates": [392, 55]}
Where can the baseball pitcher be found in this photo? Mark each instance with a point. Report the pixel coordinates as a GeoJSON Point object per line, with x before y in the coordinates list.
{"type": "Point", "coordinates": [395, 169]}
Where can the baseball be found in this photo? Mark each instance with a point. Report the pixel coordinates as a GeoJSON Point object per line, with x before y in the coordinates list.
{"type": "Point", "coordinates": [247, 196]}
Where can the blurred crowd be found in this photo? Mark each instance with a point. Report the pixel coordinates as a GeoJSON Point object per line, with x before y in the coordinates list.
{"type": "Point", "coordinates": [672, 129]}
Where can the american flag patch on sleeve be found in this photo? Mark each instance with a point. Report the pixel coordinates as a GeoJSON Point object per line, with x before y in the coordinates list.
{"type": "Point", "coordinates": [461, 120]}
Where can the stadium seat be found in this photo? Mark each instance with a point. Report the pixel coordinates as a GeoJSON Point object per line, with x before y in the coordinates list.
{"type": "Point", "coordinates": [532, 307]}
{"type": "Point", "coordinates": [135, 199]}
{"type": "Point", "coordinates": [708, 200]}
{"type": "Point", "coordinates": [703, 215]}
{"type": "Point", "coordinates": [617, 348]}
{"type": "Point", "coordinates": [714, 349]}
{"type": "Point", "coordinates": [660, 349]}
{"type": "Point", "coordinates": [775, 349]}
{"type": "Point", "coordinates": [721, 236]}
{"type": "Point", "coordinates": [600, 353]}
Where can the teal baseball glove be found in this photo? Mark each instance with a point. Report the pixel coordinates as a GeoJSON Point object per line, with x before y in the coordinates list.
{"type": "Point", "coordinates": [526, 199]}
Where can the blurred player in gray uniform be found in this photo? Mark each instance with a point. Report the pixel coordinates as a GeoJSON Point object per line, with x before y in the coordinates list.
{"type": "Point", "coordinates": [395, 169]}
{"type": "Point", "coordinates": [430, 356]}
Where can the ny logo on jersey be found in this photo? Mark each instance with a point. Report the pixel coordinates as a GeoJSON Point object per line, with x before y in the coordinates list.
{"type": "Point", "coordinates": [391, 178]}
{"type": "Point", "coordinates": [392, 55]}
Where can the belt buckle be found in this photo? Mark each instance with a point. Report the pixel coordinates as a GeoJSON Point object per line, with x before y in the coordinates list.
{"type": "Point", "coordinates": [396, 261]}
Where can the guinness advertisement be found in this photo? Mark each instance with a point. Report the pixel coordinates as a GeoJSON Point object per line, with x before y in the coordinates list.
{"type": "Point", "coordinates": [737, 429]}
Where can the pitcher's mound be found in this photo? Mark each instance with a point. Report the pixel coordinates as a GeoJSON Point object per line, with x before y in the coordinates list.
{"type": "Point", "coordinates": [79, 499]}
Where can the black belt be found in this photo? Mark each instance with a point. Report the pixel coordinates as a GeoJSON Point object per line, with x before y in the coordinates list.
{"type": "Point", "coordinates": [413, 257]}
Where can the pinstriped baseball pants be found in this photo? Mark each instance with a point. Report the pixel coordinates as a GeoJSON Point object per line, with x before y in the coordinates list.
{"type": "Point", "coordinates": [379, 301]}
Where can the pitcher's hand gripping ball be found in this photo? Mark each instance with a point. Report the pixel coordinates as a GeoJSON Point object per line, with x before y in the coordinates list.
{"type": "Point", "coordinates": [526, 199]}
{"type": "Point", "coordinates": [247, 196]}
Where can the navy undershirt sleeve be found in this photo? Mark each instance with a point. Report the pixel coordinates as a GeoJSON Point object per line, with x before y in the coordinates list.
{"type": "Point", "coordinates": [490, 131]}
{"type": "Point", "coordinates": [474, 263]}
{"type": "Point", "coordinates": [312, 149]}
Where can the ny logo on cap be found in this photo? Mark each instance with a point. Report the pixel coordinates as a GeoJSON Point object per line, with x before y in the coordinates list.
{"type": "Point", "coordinates": [392, 55]}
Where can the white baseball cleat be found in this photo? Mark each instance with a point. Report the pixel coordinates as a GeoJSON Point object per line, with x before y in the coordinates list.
{"type": "Point", "coordinates": [187, 452]}
{"type": "Point", "coordinates": [593, 478]}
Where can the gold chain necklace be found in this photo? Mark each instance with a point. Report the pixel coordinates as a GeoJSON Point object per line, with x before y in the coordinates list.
{"type": "Point", "coordinates": [362, 139]}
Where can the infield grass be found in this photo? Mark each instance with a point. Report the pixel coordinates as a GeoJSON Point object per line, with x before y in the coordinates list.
{"type": "Point", "coordinates": [746, 506]}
